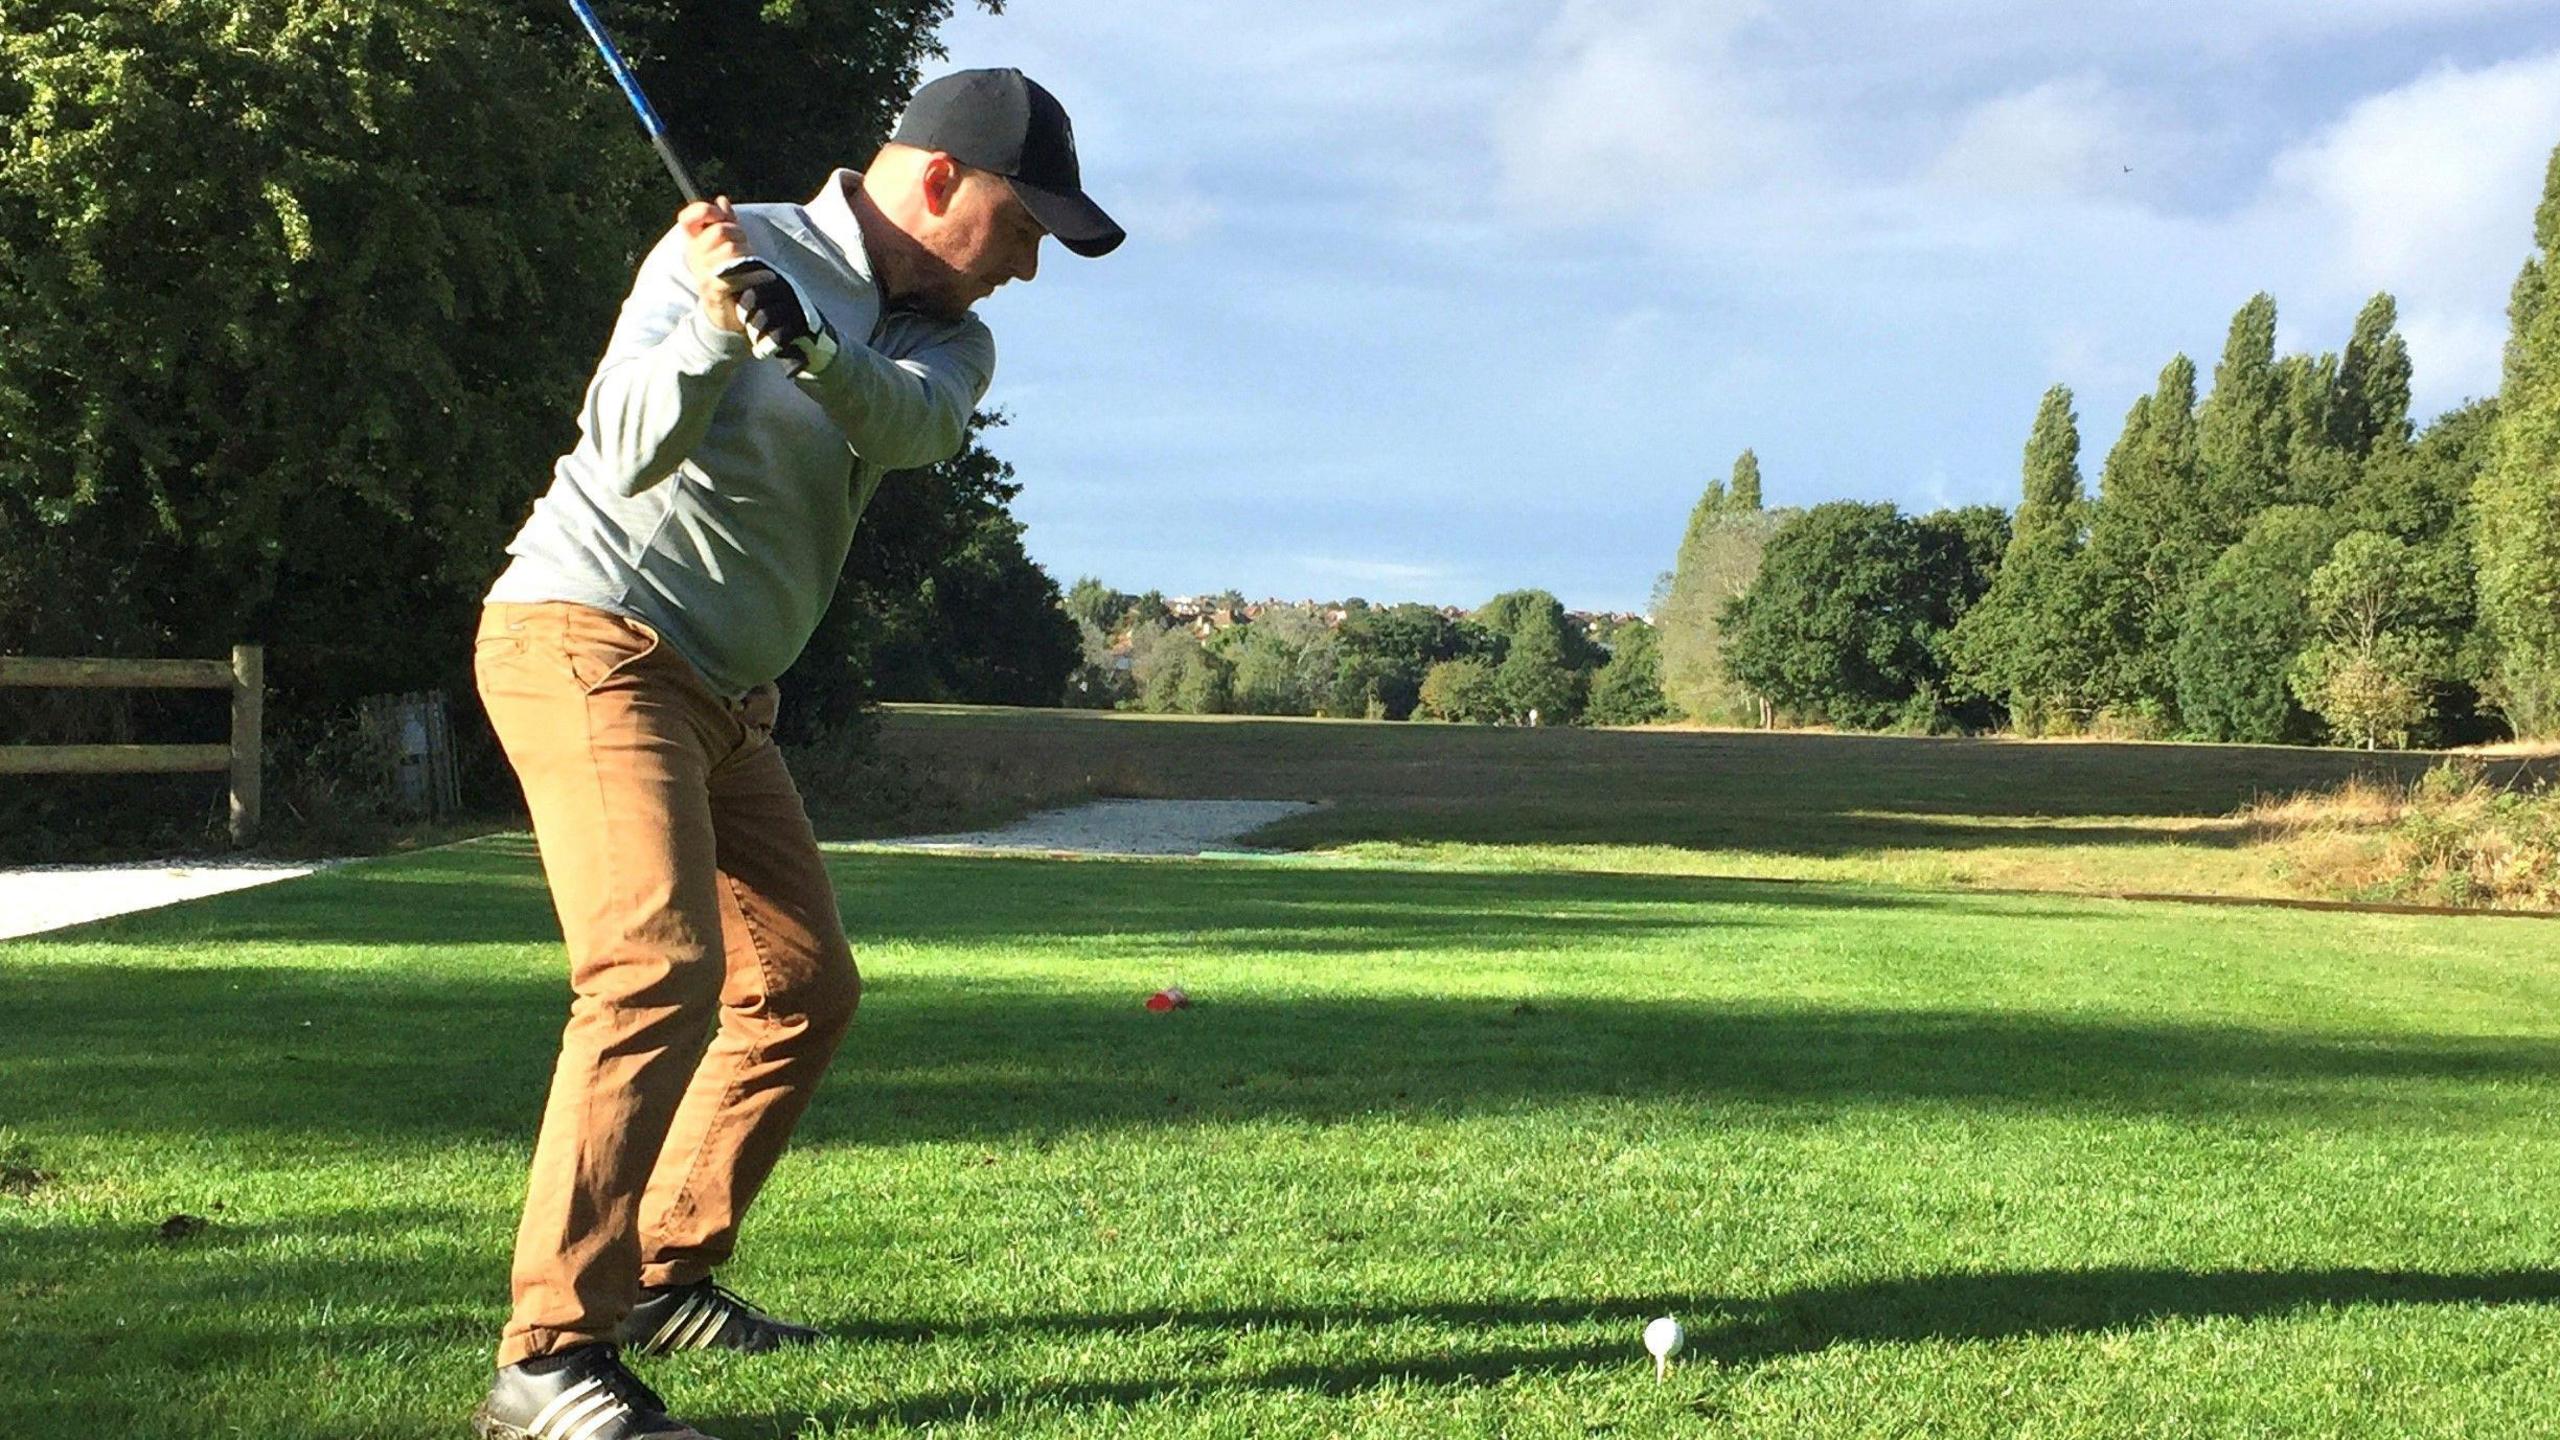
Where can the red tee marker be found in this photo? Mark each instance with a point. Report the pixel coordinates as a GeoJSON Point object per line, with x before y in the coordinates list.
{"type": "Point", "coordinates": [1172, 997]}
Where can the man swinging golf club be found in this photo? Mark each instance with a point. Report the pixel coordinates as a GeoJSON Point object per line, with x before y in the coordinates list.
{"type": "Point", "coordinates": [771, 363]}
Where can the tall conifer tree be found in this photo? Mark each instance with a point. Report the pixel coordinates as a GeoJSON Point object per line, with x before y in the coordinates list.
{"type": "Point", "coordinates": [2240, 431]}
{"type": "Point", "coordinates": [2371, 410]}
{"type": "Point", "coordinates": [2150, 537]}
{"type": "Point", "coordinates": [2518, 496]}
{"type": "Point", "coordinates": [2025, 643]}
{"type": "Point", "coordinates": [1746, 481]}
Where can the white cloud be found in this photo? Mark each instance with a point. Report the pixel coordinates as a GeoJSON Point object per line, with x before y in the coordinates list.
{"type": "Point", "coordinates": [2067, 136]}
{"type": "Point", "coordinates": [1624, 104]}
{"type": "Point", "coordinates": [2427, 191]}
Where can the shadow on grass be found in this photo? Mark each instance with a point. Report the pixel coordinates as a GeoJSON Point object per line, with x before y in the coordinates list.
{"type": "Point", "coordinates": [1730, 1331]}
{"type": "Point", "coordinates": [373, 1285]}
{"type": "Point", "coordinates": [216, 1052]}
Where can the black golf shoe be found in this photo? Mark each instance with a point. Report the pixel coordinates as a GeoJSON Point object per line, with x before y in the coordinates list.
{"type": "Point", "coordinates": [706, 1316]}
{"type": "Point", "coordinates": [580, 1394]}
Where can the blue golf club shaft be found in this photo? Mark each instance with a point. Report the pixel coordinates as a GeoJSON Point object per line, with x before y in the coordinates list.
{"type": "Point", "coordinates": [630, 84]}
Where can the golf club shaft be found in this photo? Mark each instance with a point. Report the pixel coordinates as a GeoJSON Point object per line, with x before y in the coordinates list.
{"type": "Point", "coordinates": [630, 84]}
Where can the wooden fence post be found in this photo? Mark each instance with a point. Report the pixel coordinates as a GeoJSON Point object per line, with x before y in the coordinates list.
{"type": "Point", "coordinates": [248, 714]}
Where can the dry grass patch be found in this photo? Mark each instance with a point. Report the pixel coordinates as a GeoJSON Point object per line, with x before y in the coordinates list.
{"type": "Point", "coordinates": [2454, 836]}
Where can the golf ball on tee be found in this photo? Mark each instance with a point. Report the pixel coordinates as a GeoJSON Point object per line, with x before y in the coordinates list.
{"type": "Point", "coordinates": [1664, 1337]}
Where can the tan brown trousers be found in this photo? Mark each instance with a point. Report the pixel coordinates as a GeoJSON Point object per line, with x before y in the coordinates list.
{"type": "Point", "coordinates": [696, 909]}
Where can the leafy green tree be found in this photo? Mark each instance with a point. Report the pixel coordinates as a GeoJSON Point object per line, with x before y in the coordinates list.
{"type": "Point", "coordinates": [1848, 617]}
{"type": "Point", "coordinates": [2380, 645]}
{"type": "Point", "coordinates": [1539, 686]}
{"type": "Point", "coordinates": [1383, 654]}
{"type": "Point", "coordinates": [986, 629]}
{"type": "Point", "coordinates": [1284, 661]}
{"type": "Point", "coordinates": [2246, 623]}
{"type": "Point", "coordinates": [2240, 430]}
{"type": "Point", "coordinates": [2026, 644]}
{"type": "Point", "coordinates": [1462, 690]}
{"type": "Point", "coordinates": [1177, 675]}
{"type": "Point", "coordinates": [1093, 603]}
{"type": "Point", "coordinates": [1628, 689]}
{"type": "Point", "coordinates": [2423, 491]}
{"type": "Point", "coordinates": [2518, 494]}
{"type": "Point", "coordinates": [291, 349]}
{"type": "Point", "coordinates": [1514, 612]}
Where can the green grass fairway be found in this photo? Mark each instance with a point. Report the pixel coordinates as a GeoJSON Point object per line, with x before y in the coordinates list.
{"type": "Point", "coordinates": [1432, 1147]}
{"type": "Point", "coordinates": [1992, 814]}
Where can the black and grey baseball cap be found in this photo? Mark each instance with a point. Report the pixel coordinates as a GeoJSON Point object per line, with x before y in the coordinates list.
{"type": "Point", "coordinates": [1003, 121]}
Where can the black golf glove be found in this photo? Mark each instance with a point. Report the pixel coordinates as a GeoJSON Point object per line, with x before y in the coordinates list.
{"type": "Point", "coordinates": [780, 321]}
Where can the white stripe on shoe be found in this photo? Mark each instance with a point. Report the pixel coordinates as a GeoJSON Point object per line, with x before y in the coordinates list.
{"type": "Point", "coordinates": [664, 1340]}
{"type": "Point", "coordinates": [573, 1397]}
{"type": "Point", "coordinates": [706, 1326]}
{"type": "Point", "coordinates": [596, 1422]}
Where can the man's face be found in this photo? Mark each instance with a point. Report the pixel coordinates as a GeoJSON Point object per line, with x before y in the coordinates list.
{"type": "Point", "coordinates": [979, 237]}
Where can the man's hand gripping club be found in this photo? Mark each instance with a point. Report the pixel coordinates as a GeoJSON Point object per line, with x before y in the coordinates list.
{"type": "Point", "coordinates": [744, 294]}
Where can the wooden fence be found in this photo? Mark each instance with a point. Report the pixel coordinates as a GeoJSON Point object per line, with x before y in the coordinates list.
{"type": "Point", "coordinates": [244, 675]}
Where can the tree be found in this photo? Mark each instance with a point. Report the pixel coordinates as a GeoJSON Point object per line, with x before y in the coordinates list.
{"type": "Point", "coordinates": [2240, 430]}
{"type": "Point", "coordinates": [1462, 690]}
{"type": "Point", "coordinates": [847, 68]}
{"type": "Point", "coordinates": [2371, 411]}
{"type": "Point", "coordinates": [2378, 650]}
{"type": "Point", "coordinates": [2026, 644]}
{"type": "Point", "coordinates": [2246, 623]}
{"type": "Point", "coordinates": [1846, 621]}
{"type": "Point", "coordinates": [1628, 689]}
{"type": "Point", "coordinates": [1718, 557]}
{"type": "Point", "coordinates": [1176, 675]}
{"type": "Point", "coordinates": [1513, 613]}
{"type": "Point", "coordinates": [2150, 537]}
{"type": "Point", "coordinates": [344, 346]}
{"type": "Point", "coordinates": [2316, 469]}
{"type": "Point", "coordinates": [986, 629]}
{"type": "Point", "coordinates": [1538, 685]}
{"type": "Point", "coordinates": [1093, 603]}
{"type": "Point", "coordinates": [1098, 682]}
{"type": "Point", "coordinates": [2518, 495]}
{"type": "Point", "coordinates": [937, 600]}
{"type": "Point", "coordinates": [1383, 654]}
{"type": "Point", "coordinates": [1284, 661]}
{"type": "Point", "coordinates": [1745, 490]}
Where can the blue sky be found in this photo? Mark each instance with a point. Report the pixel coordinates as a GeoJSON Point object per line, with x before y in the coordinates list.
{"type": "Point", "coordinates": [1431, 299]}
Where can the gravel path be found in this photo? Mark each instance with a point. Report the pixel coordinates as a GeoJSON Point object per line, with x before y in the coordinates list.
{"type": "Point", "coordinates": [1123, 827]}
{"type": "Point", "coordinates": [50, 897]}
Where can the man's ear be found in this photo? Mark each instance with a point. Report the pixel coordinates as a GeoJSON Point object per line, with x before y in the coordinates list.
{"type": "Point", "coordinates": [941, 181]}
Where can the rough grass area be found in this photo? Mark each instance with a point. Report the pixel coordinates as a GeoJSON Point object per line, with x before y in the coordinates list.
{"type": "Point", "coordinates": [2074, 816]}
{"type": "Point", "coordinates": [1429, 1150]}
{"type": "Point", "coordinates": [2454, 836]}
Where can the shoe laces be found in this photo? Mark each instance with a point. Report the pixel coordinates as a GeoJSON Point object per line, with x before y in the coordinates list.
{"type": "Point", "coordinates": [733, 1302]}
{"type": "Point", "coordinates": [622, 1385]}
